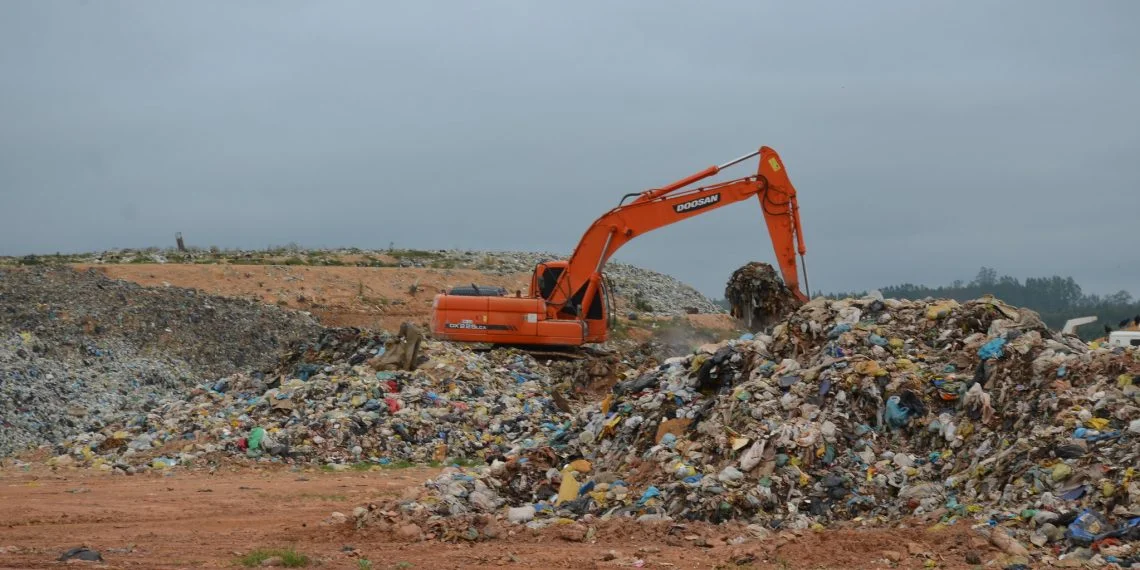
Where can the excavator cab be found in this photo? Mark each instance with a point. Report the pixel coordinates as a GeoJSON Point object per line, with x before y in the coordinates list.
{"type": "Point", "coordinates": [546, 276]}
{"type": "Point", "coordinates": [599, 315]}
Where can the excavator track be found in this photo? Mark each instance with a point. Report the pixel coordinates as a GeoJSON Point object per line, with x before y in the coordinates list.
{"type": "Point", "coordinates": [560, 353]}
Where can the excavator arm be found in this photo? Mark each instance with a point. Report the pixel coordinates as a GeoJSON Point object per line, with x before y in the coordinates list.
{"type": "Point", "coordinates": [652, 209]}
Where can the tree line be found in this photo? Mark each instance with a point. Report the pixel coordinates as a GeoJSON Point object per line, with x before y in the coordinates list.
{"type": "Point", "coordinates": [1057, 299]}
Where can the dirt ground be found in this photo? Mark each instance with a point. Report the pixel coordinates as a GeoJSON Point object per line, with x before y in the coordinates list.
{"type": "Point", "coordinates": [195, 519]}
{"type": "Point", "coordinates": [367, 297]}
{"type": "Point", "coordinates": [370, 297]}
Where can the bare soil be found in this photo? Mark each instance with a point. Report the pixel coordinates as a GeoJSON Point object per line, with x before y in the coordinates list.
{"type": "Point", "coordinates": [366, 297]}
{"type": "Point", "coordinates": [196, 519]}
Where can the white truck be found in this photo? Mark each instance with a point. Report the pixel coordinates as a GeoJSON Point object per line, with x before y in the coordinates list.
{"type": "Point", "coordinates": [1123, 338]}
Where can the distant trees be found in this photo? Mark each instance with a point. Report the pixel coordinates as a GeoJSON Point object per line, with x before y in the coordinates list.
{"type": "Point", "coordinates": [1055, 298]}
{"type": "Point", "coordinates": [987, 277]}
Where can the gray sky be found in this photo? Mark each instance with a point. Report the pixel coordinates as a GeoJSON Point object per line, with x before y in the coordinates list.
{"type": "Point", "coordinates": [925, 138]}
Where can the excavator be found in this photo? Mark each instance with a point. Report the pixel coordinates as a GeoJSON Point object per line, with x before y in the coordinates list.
{"type": "Point", "coordinates": [569, 303]}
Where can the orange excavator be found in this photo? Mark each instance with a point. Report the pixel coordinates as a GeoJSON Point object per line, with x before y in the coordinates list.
{"type": "Point", "coordinates": [570, 303]}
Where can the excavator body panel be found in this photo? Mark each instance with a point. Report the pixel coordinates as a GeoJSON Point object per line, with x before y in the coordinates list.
{"type": "Point", "coordinates": [509, 320]}
{"type": "Point", "coordinates": [456, 316]}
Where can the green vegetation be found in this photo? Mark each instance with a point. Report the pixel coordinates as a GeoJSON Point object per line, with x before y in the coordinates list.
{"type": "Point", "coordinates": [317, 496]}
{"type": "Point", "coordinates": [401, 464]}
{"type": "Point", "coordinates": [51, 259]}
{"type": "Point", "coordinates": [414, 254]}
{"type": "Point", "coordinates": [455, 462]}
{"type": "Point", "coordinates": [1057, 299]}
{"type": "Point", "coordinates": [291, 254]}
{"type": "Point", "coordinates": [640, 303]}
{"type": "Point", "coordinates": [289, 558]}
{"type": "Point", "coordinates": [372, 261]}
{"type": "Point", "coordinates": [464, 462]}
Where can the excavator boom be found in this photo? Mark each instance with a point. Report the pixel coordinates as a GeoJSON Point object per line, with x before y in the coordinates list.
{"type": "Point", "coordinates": [672, 203]}
{"type": "Point", "coordinates": [564, 305]}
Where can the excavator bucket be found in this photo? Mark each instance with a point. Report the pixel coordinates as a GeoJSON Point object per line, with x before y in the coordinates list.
{"type": "Point", "coordinates": [758, 297]}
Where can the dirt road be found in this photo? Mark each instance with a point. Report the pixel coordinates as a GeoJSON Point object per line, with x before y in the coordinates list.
{"type": "Point", "coordinates": [187, 519]}
{"type": "Point", "coordinates": [181, 519]}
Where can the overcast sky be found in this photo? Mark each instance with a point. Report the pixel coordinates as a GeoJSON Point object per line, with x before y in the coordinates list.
{"type": "Point", "coordinates": [925, 139]}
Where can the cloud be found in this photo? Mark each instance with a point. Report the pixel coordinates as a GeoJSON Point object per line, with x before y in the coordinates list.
{"type": "Point", "coordinates": [925, 139]}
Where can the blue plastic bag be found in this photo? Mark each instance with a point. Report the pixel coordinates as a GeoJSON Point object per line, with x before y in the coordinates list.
{"type": "Point", "coordinates": [1088, 527]}
{"type": "Point", "coordinates": [649, 493]}
{"type": "Point", "coordinates": [992, 349]}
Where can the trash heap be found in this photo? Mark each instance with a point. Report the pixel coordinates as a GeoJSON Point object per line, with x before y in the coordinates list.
{"type": "Point", "coordinates": [337, 400]}
{"type": "Point", "coordinates": [861, 409]}
{"type": "Point", "coordinates": [78, 349]}
{"type": "Point", "coordinates": [759, 297]}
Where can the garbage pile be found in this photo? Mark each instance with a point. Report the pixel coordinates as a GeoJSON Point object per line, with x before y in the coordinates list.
{"type": "Point", "coordinates": [759, 297]}
{"type": "Point", "coordinates": [339, 400]}
{"type": "Point", "coordinates": [861, 409]}
{"type": "Point", "coordinates": [69, 309]}
{"type": "Point", "coordinates": [78, 349]}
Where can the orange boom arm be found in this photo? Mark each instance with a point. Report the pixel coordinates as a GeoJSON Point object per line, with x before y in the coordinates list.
{"type": "Point", "coordinates": [657, 208]}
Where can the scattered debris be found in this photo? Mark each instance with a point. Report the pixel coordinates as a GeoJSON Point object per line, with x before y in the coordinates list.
{"type": "Point", "coordinates": [81, 553]}
{"type": "Point", "coordinates": [870, 409]}
{"type": "Point", "coordinates": [327, 402]}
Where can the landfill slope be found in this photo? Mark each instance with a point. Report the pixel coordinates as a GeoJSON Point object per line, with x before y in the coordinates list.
{"type": "Point", "coordinates": [78, 350]}
{"type": "Point", "coordinates": [380, 298]}
{"type": "Point", "coordinates": [861, 409]}
{"type": "Point", "coordinates": [332, 400]}
{"type": "Point", "coordinates": [369, 288]}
